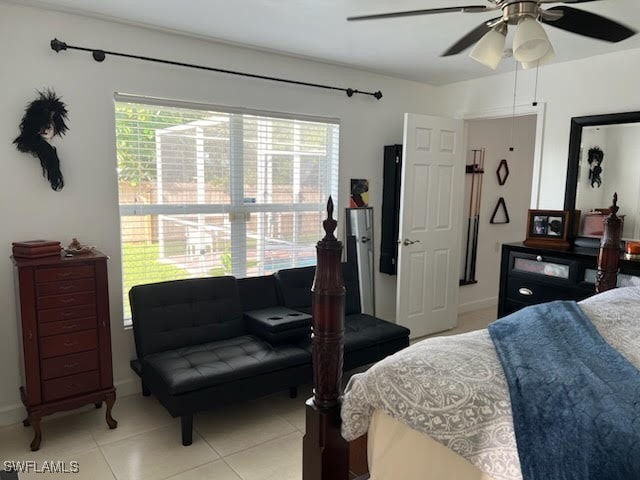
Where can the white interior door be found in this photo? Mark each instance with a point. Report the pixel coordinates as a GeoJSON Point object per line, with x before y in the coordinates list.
{"type": "Point", "coordinates": [430, 224]}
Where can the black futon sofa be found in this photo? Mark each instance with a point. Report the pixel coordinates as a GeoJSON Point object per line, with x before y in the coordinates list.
{"type": "Point", "coordinates": [197, 350]}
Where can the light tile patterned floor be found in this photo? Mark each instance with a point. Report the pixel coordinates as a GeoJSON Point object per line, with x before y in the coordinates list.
{"type": "Point", "coordinates": [257, 440]}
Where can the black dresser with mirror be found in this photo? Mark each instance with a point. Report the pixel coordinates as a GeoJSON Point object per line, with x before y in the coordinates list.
{"type": "Point", "coordinates": [531, 275]}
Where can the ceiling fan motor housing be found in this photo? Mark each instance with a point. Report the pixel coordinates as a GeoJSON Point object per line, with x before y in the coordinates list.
{"type": "Point", "coordinates": [513, 12]}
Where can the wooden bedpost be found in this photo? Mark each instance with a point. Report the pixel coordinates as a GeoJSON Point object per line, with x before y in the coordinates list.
{"type": "Point", "coordinates": [609, 256]}
{"type": "Point", "coordinates": [325, 454]}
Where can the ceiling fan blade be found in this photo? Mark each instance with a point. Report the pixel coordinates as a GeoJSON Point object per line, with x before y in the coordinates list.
{"type": "Point", "coordinates": [430, 11]}
{"type": "Point", "coordinates": [470, 38]}
{"type": "Point", "coordinates": [588, 24]}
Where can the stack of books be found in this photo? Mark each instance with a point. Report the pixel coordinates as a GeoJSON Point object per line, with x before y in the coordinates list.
{"type": "Point", "coordinates": [36, 249]}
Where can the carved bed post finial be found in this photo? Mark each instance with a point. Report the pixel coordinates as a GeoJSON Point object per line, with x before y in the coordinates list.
{"type": "Point", "coordinates": [325, 453]}
{"type": "Point", "coordinates": [609, 255]}
{"type": "Point", "coordinates": [329, 224]}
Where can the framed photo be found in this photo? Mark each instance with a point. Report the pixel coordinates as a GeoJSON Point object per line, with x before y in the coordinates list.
{"type": "Point", "coordinates": [548, 229]}
{"type": "Point", "coordinates": [359, 197]}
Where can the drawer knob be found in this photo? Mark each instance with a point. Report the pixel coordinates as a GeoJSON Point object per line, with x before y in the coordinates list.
{"type": "Point", "coordinates": [64, 275]}
{"type": "Point", "coordinates": [71, 365]}
{"type": "Point", "coordinates": [70, 344]}
{"type": "Point", "coordinates": [70, 327]}
{"type": "Point", "coordinates": [539, 258]}
{"type": "Point", "coordinates": [527, 292]}
{"type": "Point", "coordinates": [66, 287]}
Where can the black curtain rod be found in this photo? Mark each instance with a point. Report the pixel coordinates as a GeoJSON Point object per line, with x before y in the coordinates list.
{"type": "Point", "coordinates": [100, 55]}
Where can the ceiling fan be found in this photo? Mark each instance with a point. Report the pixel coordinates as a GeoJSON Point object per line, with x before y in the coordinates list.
{"type": "Point", "coordinates": [530, 44]}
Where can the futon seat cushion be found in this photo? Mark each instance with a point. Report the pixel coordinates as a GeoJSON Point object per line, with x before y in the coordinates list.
{"type": "Point", "coordinates": [200, 366]}
{"type": "Point", "coordinates": [362, 330]}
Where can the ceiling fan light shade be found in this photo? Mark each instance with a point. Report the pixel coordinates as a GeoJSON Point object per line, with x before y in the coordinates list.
{"type": "Point", "coordinates": [530, 43]}
{"type": "Point", "coordinates": [490, 48]}
{"type": "Point", "coordinates": [551, 54]}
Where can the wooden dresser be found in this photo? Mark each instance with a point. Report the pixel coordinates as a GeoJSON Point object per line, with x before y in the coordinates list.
{"type": "Point", "coordinates": [66, 335]}
{"type": "Point", "coordinates": [531, 275]}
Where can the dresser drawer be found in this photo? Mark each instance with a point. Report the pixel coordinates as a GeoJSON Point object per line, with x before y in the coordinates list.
{"type": "Point", "coordinates": [542, 266]}
{"type": "Point", "coordinates": [512, 306]}
{"type": "Point", "coordinates": [70, 386]}
{"type": "Point", "coordinates": [70, 300]}
{"type": "Point", "coordinates": [58, 345]}
{"type": "Point", "coordinates": [530, 292]}
{"type": "Point", "coordinates": [67, 273]}
{"type": "Point", "coordinates": [66, 286]}
{"type": "Point", "coordinates": [66, 313]}
{"type": "Point", "coordinates": [66, 326]}
{"type": "Point", "coordinates": [69, 364]}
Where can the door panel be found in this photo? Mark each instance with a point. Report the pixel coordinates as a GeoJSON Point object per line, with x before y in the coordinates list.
{"type": "Point", "coordinates": [430, 224]}
{"type": "Point", "coordinates": [420, 217]}
{"type": "Point", "coordinates": [417, 283]}
{"type": "Point", "coordinates": [445, 197]}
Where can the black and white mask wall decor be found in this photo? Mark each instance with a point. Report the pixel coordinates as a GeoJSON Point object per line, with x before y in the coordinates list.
{"type": "Point", "coordinates": [44, 118]}
{"type": "Point", "coordinates": [595, 158]}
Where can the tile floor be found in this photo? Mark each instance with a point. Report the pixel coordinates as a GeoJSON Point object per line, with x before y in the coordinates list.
{"type": "Point", "coordinates": [257, 440]}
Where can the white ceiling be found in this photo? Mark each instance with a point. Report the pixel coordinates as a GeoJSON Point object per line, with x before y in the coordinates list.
{"type": "Point", "coordinates": [407, 47]}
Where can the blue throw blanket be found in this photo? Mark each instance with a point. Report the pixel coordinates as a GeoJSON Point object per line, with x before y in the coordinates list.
{"type": "Point", "coordinates": [575, 399]}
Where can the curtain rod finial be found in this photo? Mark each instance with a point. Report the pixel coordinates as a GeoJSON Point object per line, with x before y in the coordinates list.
{"type": "Point", "coordinates": [58, 45]}
{"type": "Point", "coordinates": [98, 55]}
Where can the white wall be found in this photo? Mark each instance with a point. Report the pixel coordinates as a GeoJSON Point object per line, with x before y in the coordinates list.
{"type": "Point", "coordinates": [87, 207]}
{"type": "Point", "coordinates": [495, 137]}
{"type": "Point", "coordinates": [596, 85]}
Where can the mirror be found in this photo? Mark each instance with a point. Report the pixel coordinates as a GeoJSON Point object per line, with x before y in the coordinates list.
{"type": "Point", "coordinates": [604, 157]}
{"type": "Point", "coordinates": [359, 232]}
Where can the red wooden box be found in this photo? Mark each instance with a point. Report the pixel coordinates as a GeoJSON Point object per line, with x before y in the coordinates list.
{"type": "Point", "coordinates": [36, 249]}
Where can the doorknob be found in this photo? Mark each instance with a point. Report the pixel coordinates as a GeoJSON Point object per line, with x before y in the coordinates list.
{"type": "Point", "coordinates": [410, 242]}
{"type": "Point", "coordinates": [364, 239]}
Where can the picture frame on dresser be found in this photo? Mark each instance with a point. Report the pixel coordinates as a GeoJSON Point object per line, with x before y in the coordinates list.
{"type": "Point", "coordinates": [549, 229]}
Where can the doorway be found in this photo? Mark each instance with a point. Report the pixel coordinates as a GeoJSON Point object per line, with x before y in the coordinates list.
{"type": "Point", "coordinates": [494, 136]}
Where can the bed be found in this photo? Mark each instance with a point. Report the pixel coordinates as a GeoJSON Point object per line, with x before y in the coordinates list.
{"type": "Point", "coordinates": [446, 408]}
{"type": "Point", "coordinates": [441, 409]}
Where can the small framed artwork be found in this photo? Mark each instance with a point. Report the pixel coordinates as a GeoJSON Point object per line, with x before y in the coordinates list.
{"type": "Point", "coordinates": [359, 197]}
{"type": "Point", "coordinates": [548, 229]}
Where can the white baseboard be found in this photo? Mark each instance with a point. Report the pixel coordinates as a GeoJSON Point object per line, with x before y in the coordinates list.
{"type": "Point", "coordinates": [16, 413]}
{"type": "Point", "coordinates": [477, 305]}
{"type": "Point", "coordinates": [11, 414]}
{"type": "Point", "coordinates": [130, 386]}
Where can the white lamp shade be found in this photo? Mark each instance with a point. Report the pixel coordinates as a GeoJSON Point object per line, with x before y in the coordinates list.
{"type": "Point", "coordinates": [530, 43]}
{"type": "Point", "coordinates": [546, 59]}
{"type": "Point", "coordinates": [489, 49]}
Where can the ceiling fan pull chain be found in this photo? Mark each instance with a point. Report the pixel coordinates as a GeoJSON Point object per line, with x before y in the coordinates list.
{"type": "Point", "coordinates": [535, 91]}
{"type": "Point", "coordinates": [513, 111]}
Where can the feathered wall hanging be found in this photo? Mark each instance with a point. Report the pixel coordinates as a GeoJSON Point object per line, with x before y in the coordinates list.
{"type": "Point", "coordinates": [44, 118]}
{"type": "Point", "coordinates": [595, 157]}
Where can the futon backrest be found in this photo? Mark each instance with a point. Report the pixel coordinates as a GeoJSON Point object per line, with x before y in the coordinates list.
{"type": "Point", "coordinates": [294, 288]}
{"type": "Point", "coordinates": [257, 293]}
{"type": "Point", "coordinates": [169, 315]}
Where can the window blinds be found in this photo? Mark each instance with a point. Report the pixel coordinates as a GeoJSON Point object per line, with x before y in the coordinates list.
{"type": "Point", "coordinates": [205, 191]}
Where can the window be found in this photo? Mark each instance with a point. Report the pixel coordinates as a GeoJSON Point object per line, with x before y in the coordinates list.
{"type": "Point", "coordinates": [207, 192]}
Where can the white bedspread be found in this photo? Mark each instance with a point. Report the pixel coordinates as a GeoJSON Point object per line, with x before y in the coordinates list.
{"type": "Point", "coordinates": [454, 390]}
